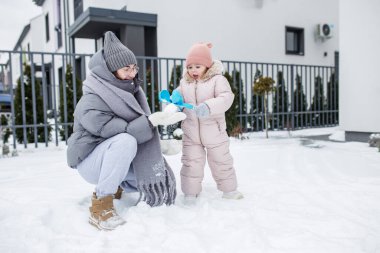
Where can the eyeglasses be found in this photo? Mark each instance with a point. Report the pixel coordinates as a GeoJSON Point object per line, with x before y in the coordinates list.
{"type": "Point", "coordinates": [129, 69]}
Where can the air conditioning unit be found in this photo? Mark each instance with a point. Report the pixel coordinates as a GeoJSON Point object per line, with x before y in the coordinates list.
{"type": "Point", "coordinates": [325, 30]}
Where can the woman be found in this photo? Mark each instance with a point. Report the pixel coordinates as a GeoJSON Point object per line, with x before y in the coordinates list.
{"type": "Point", "coordinates": [114, 143]}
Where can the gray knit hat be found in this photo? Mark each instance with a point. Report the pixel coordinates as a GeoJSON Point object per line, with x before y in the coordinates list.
{"type": "Point", "coordinates": [116, 54]}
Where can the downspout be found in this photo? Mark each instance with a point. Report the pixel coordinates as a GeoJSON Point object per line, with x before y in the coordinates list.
{"type": "Point", "coordinates": [65, 25]}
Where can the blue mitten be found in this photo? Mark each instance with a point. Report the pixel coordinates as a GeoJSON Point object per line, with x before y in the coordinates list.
{"type": "Point", "coordinates": [202, 110]}
{"type": "Point", "coordinates": [176, 99]}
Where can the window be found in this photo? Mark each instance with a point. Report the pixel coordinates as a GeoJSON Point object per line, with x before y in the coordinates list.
{"type": "Point", "coordinates": [294, 41]}
{"type": "Point", "coordinates": [47, 27]}
{"type": "Point", "coordinates": [78, 8]}
{"type": "Point", "coordinates": [28, 48]}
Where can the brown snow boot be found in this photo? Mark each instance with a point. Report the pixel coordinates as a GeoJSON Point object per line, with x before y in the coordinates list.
{"type": "Point", "coordinates": [118, 193]}
{"type": "Point", "coordinates": [103, 214]}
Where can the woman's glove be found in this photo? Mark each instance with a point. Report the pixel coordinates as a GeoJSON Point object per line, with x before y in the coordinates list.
{"type": "Point", "coordinates": [168, 116]}
{"type": "Point", "coordinates": [202, 110]}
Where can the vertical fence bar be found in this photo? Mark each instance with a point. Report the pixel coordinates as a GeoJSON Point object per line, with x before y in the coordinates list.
{"type": "Point", "coordinates": [10, 78]}
{"type": "Point", "coordinates": [272, 93]}
{"type": "Point", "coordinates": [240, 97]}
{"type": "Point", "coordinates": [304, 106]}
{"type": "Point", "coordinates": [303, 98]}
{"type": "Point", "coordinates": [174, 74]}
{"type": "Point", "coordinates": [83, 67]}
{"type": "Point", "coordinates": [74, 80]}
{"type": "Point", "coordinates": [297, 97]}
{"type": "Point", "coordinates": [336, 87]}
{"type": "Point", "coordinates": [54, 99]}
{"type": "Point", "coordinates": [277, 97]}
{"type": "Point", "coordinates": [167, 73]}
{"type": "Point", "coordinates": [33, 72]}
{"type": "Point", "coordinates": [282, 100]}
{"type": "Point", "coordinates": [323, 95]}
{"type": "Point", "coordinates": [159, 78]}
{"type": "Point", "coordinates": [306, 84]}
{"type": "Point", "coordinates": [182, 64]}
{"type": "Point", "coordinates": [23, 101]}
{"type": "Point", "coordinates": [152, 83]}
{"type": "Point", "coordinates": [251, 99]}
{"type": "Point", "coordinates": [144, 76]}
{"type": "Point", "coordinates": [312, 89]}
{"type": "Point", "coordinates": [292, 94]}
{"type": "Point", "coordinates": [261, 102]}
{"type": "Point", "coordinates": [249, 103]}
{"type": "Point", "coordinates": [328, 98]}
{"type": "Point", "coordinates": [246, 97]}
{"type": "Point", "coordinates": [64, 84]}
{"type": "Point", "coordinates": [255, 103]}
{"type": "Point", "coordinates": [44, 97]}
{"type": "Point", "coordinates": [319, 95]}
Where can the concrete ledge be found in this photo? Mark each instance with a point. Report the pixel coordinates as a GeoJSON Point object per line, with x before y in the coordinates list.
{"type": "Point", "coordinates": [357, 136]}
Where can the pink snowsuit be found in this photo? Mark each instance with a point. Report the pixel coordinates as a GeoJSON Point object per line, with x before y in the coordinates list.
{"type": "Point", "coordinates": [210, 132]}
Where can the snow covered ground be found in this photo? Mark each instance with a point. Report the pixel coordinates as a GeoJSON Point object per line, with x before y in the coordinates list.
{"type": "Point", "coordinates": [301, 195]}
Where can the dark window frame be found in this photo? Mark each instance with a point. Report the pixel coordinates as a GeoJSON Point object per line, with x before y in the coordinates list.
{"type": "Point", "coordinates": [78, 8]}
{"type": "Point", "coordinates": [47, 27]}
{"type": "Point", "coordinates": [298, 41]}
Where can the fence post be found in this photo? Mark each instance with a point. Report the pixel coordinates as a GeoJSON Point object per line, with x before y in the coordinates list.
{"type": "Point", "coordinates": [336, 65]}
{"type": "Point", "coordinates": [336, 88]}
{"type": "Point", "coordinates": [292, 95]}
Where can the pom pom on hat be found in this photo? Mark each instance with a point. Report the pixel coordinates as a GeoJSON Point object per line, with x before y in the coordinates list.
{"type": "Point", "coordinates": [116, 54]}
{"type": "Point", "coordinates": [200, 53]}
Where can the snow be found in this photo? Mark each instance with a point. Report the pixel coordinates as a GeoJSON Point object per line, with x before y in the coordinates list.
{"type": "Point", "coordinates": [301, 195]}
{"type": "Point", "coordinates": [338, 136]}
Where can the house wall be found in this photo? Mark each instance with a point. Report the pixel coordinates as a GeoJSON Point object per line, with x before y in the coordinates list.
{"type": "Point", "coordinates": [359, 75]}
{"type": "Point", "coordinates": [51, 45]}
{"type": "Point", "coordinates": [243, 30]}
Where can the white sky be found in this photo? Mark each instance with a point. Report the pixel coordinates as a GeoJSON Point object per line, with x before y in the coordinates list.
{"type": "Point", "coordinates": [15, 15]}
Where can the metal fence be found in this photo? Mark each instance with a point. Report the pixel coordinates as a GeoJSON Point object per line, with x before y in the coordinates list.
{"type": "Point", "coordinates": [45, 87]}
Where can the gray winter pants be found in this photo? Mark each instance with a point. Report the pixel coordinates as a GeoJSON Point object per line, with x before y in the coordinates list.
{"type": "Point", "coordinates": [109, 165]}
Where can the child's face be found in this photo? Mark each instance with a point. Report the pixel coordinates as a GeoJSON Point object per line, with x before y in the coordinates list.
{"type": "Point", "coordinates": [127, 73]}
{"type": "Point", "coordinates": [196, 71]}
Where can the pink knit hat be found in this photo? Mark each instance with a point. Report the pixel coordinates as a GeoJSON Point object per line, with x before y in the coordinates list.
{"type": "Point", "coordinates": [200, 53]}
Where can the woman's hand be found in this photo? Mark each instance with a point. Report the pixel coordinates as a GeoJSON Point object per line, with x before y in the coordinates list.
{"type": "Point", "coordinates": [168, 116]}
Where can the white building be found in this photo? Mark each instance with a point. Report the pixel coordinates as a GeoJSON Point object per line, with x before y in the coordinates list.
{"type": "Point", "coordinates": [359, 76]}
{"type": "Point", "coordinates": [241, 30]}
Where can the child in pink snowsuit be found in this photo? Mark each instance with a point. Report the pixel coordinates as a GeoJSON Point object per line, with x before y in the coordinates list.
{"type": "Point", "coordinates": [204, 129]}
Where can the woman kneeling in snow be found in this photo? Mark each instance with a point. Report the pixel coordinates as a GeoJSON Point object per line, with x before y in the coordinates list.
{"type": "Point", "coordinates": [115, 145]}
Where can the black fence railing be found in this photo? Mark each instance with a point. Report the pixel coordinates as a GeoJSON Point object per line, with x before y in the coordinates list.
{"type": "Point", "coordinates": [44, 88]}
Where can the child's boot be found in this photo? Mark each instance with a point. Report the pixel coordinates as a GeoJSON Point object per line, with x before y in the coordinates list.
{"type": "Point", "coordinates": [190, 200]}
{"type": "Point", "coordinates": [103, 214]}
{"type": "Point", "coordinates": [118, 193]}
{"type": "Point", "coordinates": [232, 195]}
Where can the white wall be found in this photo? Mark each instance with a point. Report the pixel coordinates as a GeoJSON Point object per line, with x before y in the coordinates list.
{"type": "Point", "coordinates": [109, 4]}
{"type": "Point", "coordinates": [359, 65]}
{"type": "Point", "coordinates": [238, 29]}
{"type": "Point", "coordinates": [37, 34]}
{"type": "Point", "coordinates": [241, 31]}
{"type": "Point", "coordinates": [49, 8]}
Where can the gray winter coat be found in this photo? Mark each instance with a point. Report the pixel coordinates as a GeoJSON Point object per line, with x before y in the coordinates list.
{"type": "Point", "coordinates": [110, 106]}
